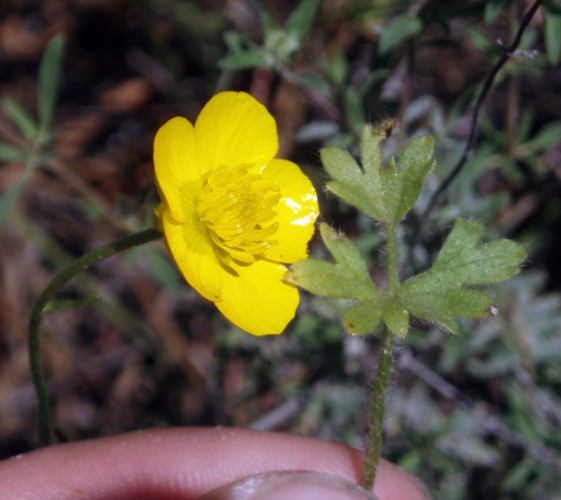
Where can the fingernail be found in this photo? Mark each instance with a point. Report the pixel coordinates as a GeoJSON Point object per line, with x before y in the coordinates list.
{"type": "Point", "coordinates": [290, 485]}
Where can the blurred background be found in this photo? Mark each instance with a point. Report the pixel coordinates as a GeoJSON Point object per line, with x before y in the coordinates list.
{"type": "Point", "coordinates": [85, 84]}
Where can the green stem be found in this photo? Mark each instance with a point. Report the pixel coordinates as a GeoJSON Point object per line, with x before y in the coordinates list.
{"type": "Point", "coordinates": [40, 308]}
{"type": "Point", "coordinates": [385, 361]}
{"type": "Point", "coordinates": [392, 266]}
{"type": "Point", "coordinates": [372, 453]}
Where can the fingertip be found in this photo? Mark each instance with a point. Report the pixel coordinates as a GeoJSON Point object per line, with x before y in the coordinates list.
{"type": "Point", "coordinates": [393, 483]}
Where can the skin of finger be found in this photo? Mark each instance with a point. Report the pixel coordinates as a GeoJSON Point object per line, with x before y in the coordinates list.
{"type": "Point", "coordinates": [183, 463]}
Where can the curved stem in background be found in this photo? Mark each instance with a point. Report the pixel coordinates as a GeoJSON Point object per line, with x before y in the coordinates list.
{"type": "Point", "coordinates": [40, 308]}
{"type": "Point", "coordinates": [507, 53]}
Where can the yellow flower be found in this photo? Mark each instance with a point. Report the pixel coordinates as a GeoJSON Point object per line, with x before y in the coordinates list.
{"type": "Point", "coordinates": [231, 213]}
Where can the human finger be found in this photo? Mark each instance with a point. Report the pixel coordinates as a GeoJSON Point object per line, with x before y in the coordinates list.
{"type": "Point", "coordinates": [184, 463]}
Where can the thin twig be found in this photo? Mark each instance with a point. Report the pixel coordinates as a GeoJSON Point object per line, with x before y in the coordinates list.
{"type": "Point", "coordinates": [487, 85]}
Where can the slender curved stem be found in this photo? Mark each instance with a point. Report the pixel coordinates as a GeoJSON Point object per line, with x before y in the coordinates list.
{"type": "Point", "coordinates": [40, 308]}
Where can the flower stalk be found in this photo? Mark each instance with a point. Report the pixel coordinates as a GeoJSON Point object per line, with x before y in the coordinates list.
{"type": "Point", "coordinates": [381, 382]}
{"type": "Point", "coordinates": [41, 307]}
{"type": "Point", "coordinates": [375, 434]}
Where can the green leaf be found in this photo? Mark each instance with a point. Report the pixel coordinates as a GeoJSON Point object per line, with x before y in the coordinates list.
{"type": "Point", "coordinates": [519, 476]}
{"type": "Point", "coordinates": [268, 22]}
{"type": "Point", "coordinates": [302, 18]}
{"type": "Point", "coordinates": [9, 196]}
{"type": "Point", "coordinates": [463, 259]}
{"type": "Point", "coordinates": [399, 30]}
{"type": "Point", "coordinates": [396, 317]}
{"type": "Point", "coordinates": [250, 58]}
{"type": "Point", "coordinates": [547, 137]}
{"type": "Point", "coordinates": [353, 107]}
{"type": "Point", "coordinates": [493, 8]}
{"type": "Point", "coordinates": [242, 54]}
{"type": "Point", "coordinates": [481, 40]}
{"type": "Point", "coordinates": [385, 193]}
{"type": "Point", "coordinates": [234, 41]}
{"type": "Point", "coordinates": [352, 184]}
{"type": "Point", "coordinates": [49, 76]}
{"type": "Point", "coordinates": [65, 304]}
{"type": "Point", "coordinates": [364, 317]}
{"type": "Point", "coordinates": [280, 46]}
{"type": "Point", "coordinates": [12, 154]}
{"type": "Point", "coordinates": [403, 185]}
{"type": "Point", "coordinates": [315, 82]}
{"type": "Point", "coordinates": [340, 165]}
{"type": "Point", "coordinates": [443, 292]}
{"type": "Point", "coordinates": [553, 37]}
{"type": "Point", "coordinates": [338, 69]}
{"type": "Point", "coordinates": [21, 118]}
{"type": "Point", "coordinates": [348, 277]}
{"type": "Point", "coordinates": [362, 188]}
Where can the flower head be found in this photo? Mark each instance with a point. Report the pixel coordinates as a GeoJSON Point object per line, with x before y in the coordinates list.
{"type": "Point", "coordinates": [232, 214]}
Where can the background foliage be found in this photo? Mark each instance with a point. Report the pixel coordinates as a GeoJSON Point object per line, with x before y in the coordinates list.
{"type": "Point", "coordinates": [477, 414]}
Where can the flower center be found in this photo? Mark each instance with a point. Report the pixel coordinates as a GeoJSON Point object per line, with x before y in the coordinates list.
{"type": "Point", "coordinates": [238, 210]}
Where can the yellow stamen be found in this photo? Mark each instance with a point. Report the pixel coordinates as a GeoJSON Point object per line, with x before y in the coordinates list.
{"type": "Point", "coordinates": [238, 210]}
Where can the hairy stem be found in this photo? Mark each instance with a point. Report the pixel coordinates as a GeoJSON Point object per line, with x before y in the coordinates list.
{"type": "Point", "coordinates": [41, 307]}
{"type": "Point", "coordinates": [385, 361]}
{"type": "Point", "coordinates": [374, 446]}
{"type": "Point", "coordinates": [392, 264]}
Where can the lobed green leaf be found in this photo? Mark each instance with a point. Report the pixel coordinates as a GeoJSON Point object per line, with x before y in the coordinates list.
{"type": "Point", "coordinates": [462, 259]}
{"type": "Point", "coordinates": [348, 277]}
{"type": "Point", "coordinates": [352, 184]}
{"type": "Point", "coordinates": [414, 166]}
{"type": "Point", "coordinates": [443, 292]}
{"type": "Point", "coordinates": [385, 193]}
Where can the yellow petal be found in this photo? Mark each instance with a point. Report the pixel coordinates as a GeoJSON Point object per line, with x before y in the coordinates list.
{"type": "Point", "coordinates": [194, 254]}
{"type": "Point", "coordinates": [235, 129]}
{"type": "Point", "coordinates": [176, 163]}
{"type": "Point", "coordinates": [258, 301]}
{"type": "Point", "coordinates": [296, 211]}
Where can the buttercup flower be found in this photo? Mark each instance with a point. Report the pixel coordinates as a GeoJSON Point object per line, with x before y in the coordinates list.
{"type": "Point", "coordinates": [232, 214]}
